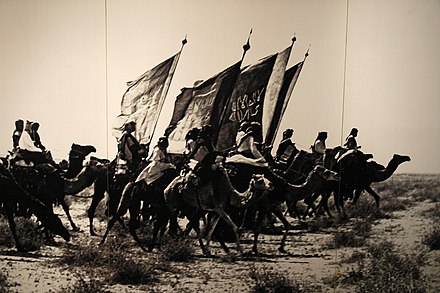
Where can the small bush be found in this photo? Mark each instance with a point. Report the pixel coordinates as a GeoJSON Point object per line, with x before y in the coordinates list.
{"type": "Point", "coordinates": [30, 236]}
{"type": "Point", "coordinates": [130, 272]}
{"type": "Point", "coordinates": [5, 285]}
{"type": "Point", "coordinates": [385, 270]}
{"type": "Point", "coordinates": [273, 282]}
{"type": "Point", "coordinates": [319, 223]}
{"type": "Point", "coordinates": [113, 263]}
{"type": "Point", "coordinates": [345, 239]}
{"type": "Point", "coordinates": [432, 239]}
{"type": "Point", "coordinates": [82, 286]}
{"type": "Point", "coordinates": [367, 209]}
{"type": "Point", "coordinates": [362, 228]}
{"type": "Point", "coordinates": [177, 249]}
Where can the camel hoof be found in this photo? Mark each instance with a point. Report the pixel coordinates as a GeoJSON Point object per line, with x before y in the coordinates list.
{"type": "Point", "coordinates": [282, 250]}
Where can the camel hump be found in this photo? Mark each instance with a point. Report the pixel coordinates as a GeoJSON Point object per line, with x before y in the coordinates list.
{"type": "Point", "coordinates": [46, 168]}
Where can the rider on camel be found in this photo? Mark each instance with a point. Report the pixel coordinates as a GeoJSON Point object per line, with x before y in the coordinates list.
{"type": "Point", "coordinates": [203, 145]}
{"type": "Point", "coordinates": [19, 128]}
{"type": "Point", "coordinates": [350, 141]}
{"type": "Point", "coordinates": [287, 150]}
{"type": "Point", "coordinates": [29, 151]}
{"type": "Point", "coordinates": [130, 152]}
{"type": "Point", "coordinates": [318, 148]}
{"type": "Point", "coordinates": [245, 141]}
{"type": "Point", "coordinates": [159, 162]}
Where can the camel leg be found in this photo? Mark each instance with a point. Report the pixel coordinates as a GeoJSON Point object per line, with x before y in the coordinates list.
{"type": "Point", "coordinates": [324, 204]}
{"type": "Point", "coordinates": [12, 226]}
{"type": "Point", "coordinates": [257, 230]}
{"type": "Point", "coordinates": [135, 208]}
{"type": "Point", "coordinates": [98, 195]}
{"type": "Point", "coordinates": [234, 227]}
{"type": "Point", "coordinates": [194, 223]}
{"type": "Point", "coordinates": [374, 194]}
{"type": "Point", "coordinates": [159, 228]}
{"type": "Point", "coordinates": [341, 208]}
{"type": "Point", "coordinates": [286, 225]}
{"type": "Point", "coordinates": [213, 224]}
{"type": "Point", "coordinates": [66, 210]}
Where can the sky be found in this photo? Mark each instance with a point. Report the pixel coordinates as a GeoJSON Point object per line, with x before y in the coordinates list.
{"type": "Point", "coordinates": [373, 65]}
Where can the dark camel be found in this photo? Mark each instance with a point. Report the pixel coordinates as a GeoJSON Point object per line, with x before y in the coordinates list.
{"type": "Point", "coordinates": [151, 195]}
{"type": "Point", "coordinates": [13, 194]}
{"type": "Point", "coordinates": [218, 195]}
{"type": "Point", "coordinates": [357, 175]}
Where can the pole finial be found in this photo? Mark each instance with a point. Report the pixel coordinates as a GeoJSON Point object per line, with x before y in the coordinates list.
{"type": "Point", "coordinates": [294, 38]}
{"type": "Point", "coordinates": [247, 46]}
{"type": "Point", "coordinates": [184, 41]}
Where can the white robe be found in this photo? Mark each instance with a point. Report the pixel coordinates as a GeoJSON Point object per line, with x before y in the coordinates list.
{"type": "Point", "coordinates": [26, 143]}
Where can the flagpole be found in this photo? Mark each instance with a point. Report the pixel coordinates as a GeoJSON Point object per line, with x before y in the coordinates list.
{"type": "Point", "coordinates": [184, 41]}
{"type": "Point", "coordinates": [246, 48]}
{"type": "Point", "coordinates": [274, 125]}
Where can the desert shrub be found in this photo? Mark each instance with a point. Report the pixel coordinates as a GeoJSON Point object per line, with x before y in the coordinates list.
{"type": "Point", "coordinates": [5, 285]}
{"type": "Point", "coordinates": [83, 286]}
{"type": "Point", "coordinates": [129, 272]}
{"type": "Point", "coordinates": [420, 187]}
{"type": "Point", "coordinates": [87, 256]}
{"type": "Point", "coordinates": [362, 228]}
{"type": "Point", "coordinates": [433, 212]}
{"type": "Point", "coordinates": [269, 281]}
{"type": "Point", "coordinates": [113, 263]}
{"type": "Point", "coordinates": [385, 270]}
{"type": "Point", "coordinates": [366, 209]}
{"type": "Point", "coordinates": [177, 249]}
{"type": "Point", "coordinates": [30, 236]}
{"type": "Point", "coordinates": [317, 224]}
{"type": "Point", "coordinates": [432, 238]}
{"type": "Point", "coordinates": [395, 204]}
{"type": "Point", "coordinates": [345, 239]}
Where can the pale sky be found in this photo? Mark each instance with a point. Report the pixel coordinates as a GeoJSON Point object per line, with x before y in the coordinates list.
{"type": "Point", "coordinates": [61, 65]}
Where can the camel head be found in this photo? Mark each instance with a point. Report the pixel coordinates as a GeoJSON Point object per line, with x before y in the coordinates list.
{"type": "Point", "coordinates": [259, 182]}
{"type": "Point", "coordinates": [258, 187]}
{"type": "Point", "coordinates": [399, 159]}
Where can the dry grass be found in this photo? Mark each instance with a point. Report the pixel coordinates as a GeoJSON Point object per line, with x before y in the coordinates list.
{"type": "Point", "coordinates": [270, 281]}
{"type": "Point", "coordinates": [112, 262]}
{"type": "Point", "coordinates": [30, 236]}
{"type": "Point", "coordinates": [5, 285]}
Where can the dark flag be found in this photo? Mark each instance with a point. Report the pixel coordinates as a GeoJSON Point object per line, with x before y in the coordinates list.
{"type": "Point", "coordinates": [144, 98]}
{"type": "Point", "coordinates": [200, 105]}
{"type": "Point", "coordinates": [254, 98]}
{"type": "Point", "coordinates": [290, 77]}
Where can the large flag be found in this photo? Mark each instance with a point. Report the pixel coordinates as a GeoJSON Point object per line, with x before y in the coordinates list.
{"type": "Point", "coordinates": [200, 105]}
{"type": "Point", "coordinates": [254, 98]}
{"type": "Point", "coordinates": [144, 98]}
{"type": "Point", "coordinates": [290, 77]}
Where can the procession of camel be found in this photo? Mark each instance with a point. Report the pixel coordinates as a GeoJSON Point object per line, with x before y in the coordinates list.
{"type": "Point", "coordinates": [235, 183]}
{"type": "Point", "coordinates": [239, 193]}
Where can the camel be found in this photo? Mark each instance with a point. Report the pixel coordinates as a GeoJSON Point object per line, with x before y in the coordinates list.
{"type": "Point", "coordinates": [151, 195]}
{"type": "Point", "coordinates": [13, 194]}
{"type": "Point", "coordinates": [46, 184]}
{"type": "Point", "coordinates": [357, 176]}
{"type": "Point", "coordinates": [291, 194]}
{"type": "Point", "coordinates": [186, 194]}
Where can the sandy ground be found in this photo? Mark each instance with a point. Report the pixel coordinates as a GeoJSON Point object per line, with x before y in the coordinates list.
{"type": "Point", "coordinates": [307, 260]}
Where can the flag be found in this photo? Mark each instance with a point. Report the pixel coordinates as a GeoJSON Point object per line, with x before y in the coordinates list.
{"type": "Point", "coordinates": [290, 77]}
{"type": "Point", "coordinates": [144, 98]}
{"type": "Point", "coordinates": [200, 105]}
{"type": "Point", "coordinates": [254, 98]}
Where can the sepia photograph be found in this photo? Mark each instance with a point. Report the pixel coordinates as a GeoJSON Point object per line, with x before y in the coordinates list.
{"type": "Point", "coordinates": [220, 146]}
